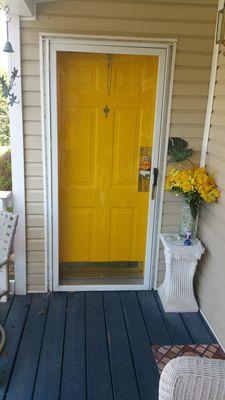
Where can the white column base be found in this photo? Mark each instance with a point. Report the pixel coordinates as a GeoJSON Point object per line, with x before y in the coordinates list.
{"type": "Point", "coordinates": [177, 293]}
{"type": "Point", "coordinates": [177, 304]}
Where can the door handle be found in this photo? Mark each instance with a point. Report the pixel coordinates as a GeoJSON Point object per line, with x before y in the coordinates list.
{"type": "Point", "coordinates": [154, 183]}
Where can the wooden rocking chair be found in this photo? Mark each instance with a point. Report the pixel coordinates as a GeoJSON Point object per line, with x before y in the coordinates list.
{"type": "Point", "coordinates": [8, 223]}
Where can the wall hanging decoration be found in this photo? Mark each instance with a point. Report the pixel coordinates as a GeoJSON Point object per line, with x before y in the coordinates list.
{"type": "Point", "coordinates": [144, 172]}
{"type": "Point", "coordinates": [7, 85]}
{"type": "Point", "coordinates": [220, 27]}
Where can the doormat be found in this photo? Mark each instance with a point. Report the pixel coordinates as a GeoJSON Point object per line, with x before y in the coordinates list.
{"type": "Point", "coordinates": [163, 354]}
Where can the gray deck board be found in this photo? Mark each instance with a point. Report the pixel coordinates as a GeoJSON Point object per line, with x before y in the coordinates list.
{"type": "Point", "coordinates": [14, 326]}
{"type": "Point", "coordinates": [99, 384]}
{"type": "Point", "coordinates": [48, 379]}
{"type": "Point", "coordinates": [89, 346]}
{"type": "Point", "coordinates": [73, 383]}
{"type": "Point", "coordinates": [26, 364]}
{"type": "Point", "coordinates": [140, 344]}
{"type": "Point", "coordinates": [124, 380]}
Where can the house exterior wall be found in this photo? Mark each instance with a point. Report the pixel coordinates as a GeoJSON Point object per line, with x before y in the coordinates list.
{"type": "Point", "coordinates": [211, 274]}
{"type": "Point", "coordinates": [192, 24]}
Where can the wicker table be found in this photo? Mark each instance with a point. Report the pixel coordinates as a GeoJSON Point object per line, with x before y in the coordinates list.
{"type": "Point", "coordinates": [176, 292]}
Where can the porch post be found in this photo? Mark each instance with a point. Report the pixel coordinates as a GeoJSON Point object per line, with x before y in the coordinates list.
{"type": "Point", "coordinates": [210, 101]}
{"type": "Point", "coordinates": [17, 154]}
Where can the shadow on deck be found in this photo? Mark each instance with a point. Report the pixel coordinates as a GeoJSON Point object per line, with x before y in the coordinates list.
{"type": "Point", "coordinates": [89, 346]}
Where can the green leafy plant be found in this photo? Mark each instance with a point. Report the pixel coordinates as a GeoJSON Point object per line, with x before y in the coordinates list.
{"type": "Point", "coordinates": [7, 87]}
{"type": "Point", "coordinates": [177, 150]}
{"type": "Point", "coordinates": [5, 171]}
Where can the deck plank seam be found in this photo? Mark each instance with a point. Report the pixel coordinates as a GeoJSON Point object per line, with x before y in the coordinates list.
{"type": "Point", "coordinates": [143, 316]}
{"type": "Point", "coordinates": [63, 345]}
{"type": "Point", "coordinates": [186, 327]}
{"type": "Point", "coordinates": [8, 311]}
{"type": "Point", "coordinates": [107, 342]}
{"type": "Point", "coordinates": [163, 318]}
{"type": "Point", "coordinates": [164, 314]}
{"type": "Point", "coordinates": [30, 297]}
{"type": "Point", "coordinates": [42, 338]}
{"type": "Point", "coordinates": [130, 347]}
{"type": "Point", "coordinates": [85, 343]}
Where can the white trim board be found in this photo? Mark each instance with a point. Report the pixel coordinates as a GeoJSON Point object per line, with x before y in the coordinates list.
{"type": "Point", "coordinates": [163, 155]}
{"type": "Point", "coordinates": [50, 45]}
{"type": "Point", "coordinates": [210, 327]}
{"type": "Point", "coordinates": [17, 152]}
{"type": "Point", "coordinates": [110, 39]}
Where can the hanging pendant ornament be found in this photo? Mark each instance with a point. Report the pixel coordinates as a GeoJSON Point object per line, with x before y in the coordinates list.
{"type": "Point", "coordinates": [106, 109]}
{"type": "Point", "coordinates": [8, 46]}
{"type": "Point", "coordinates": [7, 85]}
{"type": "Point", "coordinates": [109, 75]}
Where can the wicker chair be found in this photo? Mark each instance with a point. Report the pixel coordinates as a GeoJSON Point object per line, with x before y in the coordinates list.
{"type": "Point", "coordinates": [193, 378]}
{"type": "Point", "coordinates": [8, 223]}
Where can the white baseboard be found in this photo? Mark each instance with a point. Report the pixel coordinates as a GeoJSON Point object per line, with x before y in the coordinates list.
{"type": "Point", "coordinates": [211, 328]}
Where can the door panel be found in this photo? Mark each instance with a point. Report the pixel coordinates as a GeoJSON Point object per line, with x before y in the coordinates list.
{"type": "Point", "coordinates": [106, 107]}
{"type": "Point", "coordinates": [122, 246]}
{"type": "Point", "coordinates": [125, 160]}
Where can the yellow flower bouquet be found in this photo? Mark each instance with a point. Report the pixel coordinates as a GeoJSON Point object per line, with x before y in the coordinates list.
{"type": "Point", "coordinates": [196, 185]}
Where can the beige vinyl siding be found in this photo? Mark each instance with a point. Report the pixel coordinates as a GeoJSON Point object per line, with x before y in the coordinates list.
{"type": "Point", "coordinates": [191, 22]}
{"type": "Point", "coordinates": [211, 274]}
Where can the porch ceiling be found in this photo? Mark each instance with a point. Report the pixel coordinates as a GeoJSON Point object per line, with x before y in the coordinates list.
{"type": "Point", "coordinates": [27, 8]}
{"type": "Point", "coordinates": [24, 8]}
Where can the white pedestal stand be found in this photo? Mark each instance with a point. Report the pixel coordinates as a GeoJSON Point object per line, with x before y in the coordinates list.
{"type": "Point", "coordinates": [176, 292]}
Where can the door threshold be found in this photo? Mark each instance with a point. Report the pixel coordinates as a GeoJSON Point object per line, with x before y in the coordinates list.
{"type": "Point", "coordinates": [99, 282]}
{"type": "Point", "coordinates": [100, 287]}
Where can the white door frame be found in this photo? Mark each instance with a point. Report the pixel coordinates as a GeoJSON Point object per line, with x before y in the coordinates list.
{"type": "Point", "coordinates": [49, 45]}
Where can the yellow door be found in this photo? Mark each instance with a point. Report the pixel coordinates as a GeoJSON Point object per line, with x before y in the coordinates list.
{"type": "Point", "coordinates": [106, 107]}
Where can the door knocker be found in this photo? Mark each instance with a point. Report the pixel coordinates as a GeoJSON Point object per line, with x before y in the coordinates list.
{"type": "Point", "coordinates": [106, 110]}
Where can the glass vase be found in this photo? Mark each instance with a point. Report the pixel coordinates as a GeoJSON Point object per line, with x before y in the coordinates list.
{"type": "Point", "coordinates": [187, 222]}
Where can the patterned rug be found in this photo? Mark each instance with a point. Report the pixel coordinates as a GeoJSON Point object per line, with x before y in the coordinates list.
{"type": "Point", "coordinates": [163, 354]}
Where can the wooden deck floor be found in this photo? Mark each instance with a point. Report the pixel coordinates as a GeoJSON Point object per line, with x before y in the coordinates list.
{"type": "Point", "coordinates": [89, 346]}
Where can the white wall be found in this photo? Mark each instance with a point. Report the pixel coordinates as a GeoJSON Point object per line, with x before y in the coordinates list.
{"type": "Point", "coordinates": [211, 273]}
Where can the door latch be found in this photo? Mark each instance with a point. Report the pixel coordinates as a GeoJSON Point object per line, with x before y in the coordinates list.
{"type": "Point", "coordinates": [154, 183]}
